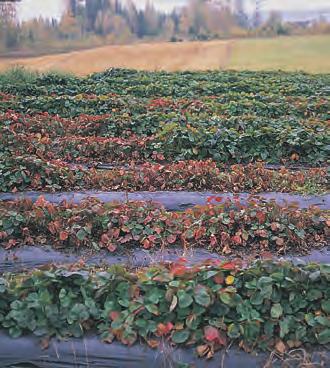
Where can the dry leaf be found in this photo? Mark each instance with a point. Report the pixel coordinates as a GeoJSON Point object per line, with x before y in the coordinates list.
{"type": "Point", "coordinates": [280, 347]}
{"type": "Point", "coordinates": [174, 303]}
{"type": "Point", "coordinates": [202, 350]}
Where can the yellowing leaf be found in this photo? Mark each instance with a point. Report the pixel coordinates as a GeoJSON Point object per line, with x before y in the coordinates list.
{"type": "Point", "coordinates": [174, 303]}
{"type": "Point", "coordinates": [230, 280]}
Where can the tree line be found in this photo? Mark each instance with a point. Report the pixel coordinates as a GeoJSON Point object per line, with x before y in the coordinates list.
{"type": "Point", "coordinates": [98, 22]}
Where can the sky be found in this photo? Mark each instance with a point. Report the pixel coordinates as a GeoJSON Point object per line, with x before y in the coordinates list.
{"type": "Point", "coordinates": [297, 4]}
{"type": "Point", "coordinates": [29, 9]}
{"type": "Point", "coordinates": [269, 4]}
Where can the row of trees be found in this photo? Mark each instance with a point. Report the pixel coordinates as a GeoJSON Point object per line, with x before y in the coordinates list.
{"type": "Point", "coordinates": [95, 22]}
{"type": "Point", "coordinates": [112, 21]}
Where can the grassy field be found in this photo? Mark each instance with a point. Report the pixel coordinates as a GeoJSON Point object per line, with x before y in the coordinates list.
{"type": "Point", "coordinates": [310, 54]}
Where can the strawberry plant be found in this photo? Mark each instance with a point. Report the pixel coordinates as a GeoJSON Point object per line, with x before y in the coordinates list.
{"type": "Point", "coordinates": [20, 173]}
{"type": "Point", "coordinates": [115, 138]}
{"type": "Point", "coordinates": [177, 131]}
{"type": "Point", "coordinates": [265, 305]}
{"type": "Point", "coordinates": [181, 84]}
{"type": "Point", "coordinates": [24, 172]}
{"type": "Point", "coordinates": [223, 228]}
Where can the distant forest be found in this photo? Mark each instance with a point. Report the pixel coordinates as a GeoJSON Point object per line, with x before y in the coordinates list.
{"type": "Point", "coordinates": [98, 22]}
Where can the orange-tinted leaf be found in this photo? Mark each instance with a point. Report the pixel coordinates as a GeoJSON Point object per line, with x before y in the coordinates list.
{"type": "Point", "coordinates": [64, 235]}
{"type": "Point", "coordinates": [279, 241]}
{"type": "Point", "coordinates": [213, 240]}
{"type": "Point", "coordinates": [11, 243]}
{"type": "Point", "coordinates": [294, 157]}
{"type": "Point", "coordinates": [44, 343]}
{"type": "Point", "coordinates": [153, 344]}
{"type": "Point", "coordinates": [202, 350]}
{"type": "Point", "coordinates": [274, 226]}
{"type": "Point", "coordinates": [236, 239]}
{"type": "Point", "coordinates": [40, 202]}
{"type": "Point", "coordinates": [163, 329]}
{"type": "Point", "coordinates": [212, 334]}
{"type": "Point", "coordinates": [228, 266]}
{"type": "Point", "coordinates": [114, 315]}
{"type": "Point", "coordinates": [280, 347]}
{"type": "Point", "coordinates": [261, 216]}
{"type": "Point", "coordinates": [178, 270]}
{"type": "Point", "coordinates": [171, 239]}
{"type": "Point", "coordinates": [104, 238]}
{"type": "Point", "coordinates": [111, 247]}
{"type": "Point", "coordinates": [219, 279]}
{"type": "Point", "coordinates": [146, 244]}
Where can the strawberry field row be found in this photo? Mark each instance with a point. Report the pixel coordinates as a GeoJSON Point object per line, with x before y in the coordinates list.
{"type": "Point", "coordinates": [230, 104]}
{"type": "Point", "coordinates": [272, 144]}
{"type": "Point", "coordinates": [21, 173]}
{"type": "Point", "coordinates": [225, 228]}
{"type": "Point", "coordinates": [178, 85]}
{"type": "Point", "coordinates": [265, 305]}
{"type": "Point", "coordinates": [125, 124]}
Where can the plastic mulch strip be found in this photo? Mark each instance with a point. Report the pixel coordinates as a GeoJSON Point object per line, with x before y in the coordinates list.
{"type": "Point", "coordinates": [89, 352]}
{"type": "Point", "coordinates": [172, 201]}
{"type": "Point", "coordinates": [29, 257]}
